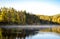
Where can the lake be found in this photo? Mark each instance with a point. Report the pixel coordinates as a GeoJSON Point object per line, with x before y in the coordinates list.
{"type": "Point", "coordinates": [45, 35]}
{"type": "Point", "coordinates": [32, 32]}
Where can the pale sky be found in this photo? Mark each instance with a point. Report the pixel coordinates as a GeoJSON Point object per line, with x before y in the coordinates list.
{"type": "Point", "coordinates": [42, 7]}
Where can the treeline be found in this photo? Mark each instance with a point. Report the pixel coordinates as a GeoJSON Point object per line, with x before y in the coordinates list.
{"type": "Point", "coordinates": [12, 16]}
{"type": "Point", "coordinates": [54, 19]}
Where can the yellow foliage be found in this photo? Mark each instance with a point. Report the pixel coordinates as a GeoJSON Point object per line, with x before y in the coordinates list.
{"type": "Point", "coordinates": [58, 20]}
{"type": "Point", "coordinates": [42, 17]}
{"type": "Point", "coordinates": [47, 18]}
{"type": "Point", "coordinates": [54, 19]}
{"type": "Point", "coordinates": [18, 18]}
{"type": "Point", "coordinates": [13, 20]}
{"type": "Point", "coordinates": [1, 18]}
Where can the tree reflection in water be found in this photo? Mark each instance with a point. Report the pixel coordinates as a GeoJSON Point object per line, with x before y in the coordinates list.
{"type": "Point", "coordinates": [17, 33]}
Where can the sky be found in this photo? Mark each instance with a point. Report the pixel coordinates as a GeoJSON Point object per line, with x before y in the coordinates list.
{"type": "Point", "coordinates": [39, 7]}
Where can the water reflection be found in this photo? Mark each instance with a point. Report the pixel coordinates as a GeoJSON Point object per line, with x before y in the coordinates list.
{"type": "Point", "coordinates": [45, 35]}
{"type": "Point", "coordinates": [31, 33]}
{"type": "Point", "coordinates": [17, 34]}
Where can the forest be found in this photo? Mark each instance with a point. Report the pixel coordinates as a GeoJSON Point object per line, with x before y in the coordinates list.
{"type": "Point", "coordinates": [11, 16]}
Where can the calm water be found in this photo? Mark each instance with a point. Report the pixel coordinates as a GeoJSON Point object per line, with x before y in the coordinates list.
{"type": "Point", "coordinates": [39, 35]}
{"type": "Point", "coordinates": [45, 35]}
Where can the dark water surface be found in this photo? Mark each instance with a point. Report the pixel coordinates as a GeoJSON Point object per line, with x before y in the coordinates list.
{"type": "Point", "coordinates": [33, 32]}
